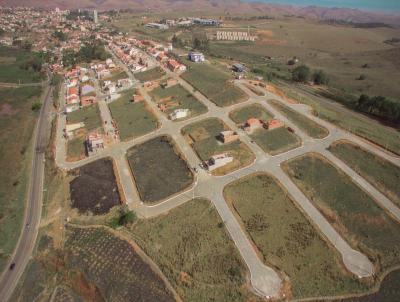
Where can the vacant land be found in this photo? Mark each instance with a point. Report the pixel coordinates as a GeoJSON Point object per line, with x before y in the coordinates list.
{"type": "Point", "coordinates": [286, 239]}
{"type": "Point", "coordinates": [358, 124]}
{"type": "Point", "coordinates": [159, 170]}
{"type": "Point", "coordinates": [203, 137]}
{"type": "Point", "coordinates": [113, 266]}
{"type": "Point", "coordinates": [177, 97]}
{"type": "Point", "coordinates": [90, 116]}
{"type": "Point", "coordinates": [133, 119]}
{"type": "Point", "coordinates": [117, 74]}
{"type": "Point", "coordinates": [95, 188]}
{"type": "Point", "coordinates": [352, 211]}
{"type": "Point", "coordinates": [17, 122]}
{"type": "Point", "coordinates": [310, 127]}
{"type": "Point", "coordinates": [276, 141]}
{"type": "Point", "coordinates": [16, 66]}
{"type": "Point", "coordinates": [153, 74]}
{"type": "Point", "coordinates": [378, 171]}
{"type": "Point", "coordinates": [200, 261]}
{"type": "Point", "coordinates": [241, 115]}
{"type": "Point", "coordinates": [214, 84]}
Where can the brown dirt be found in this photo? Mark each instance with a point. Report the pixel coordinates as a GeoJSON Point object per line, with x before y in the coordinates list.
{"type": "Point", "coordinates": [7, 110]}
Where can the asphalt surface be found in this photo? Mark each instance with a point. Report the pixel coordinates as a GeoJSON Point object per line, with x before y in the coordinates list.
{"type": "Point", "coordinates": [23, 251]}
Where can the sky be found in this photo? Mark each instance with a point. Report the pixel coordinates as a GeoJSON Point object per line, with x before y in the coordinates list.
{"type": "Point", "coordinates": [371, 5]}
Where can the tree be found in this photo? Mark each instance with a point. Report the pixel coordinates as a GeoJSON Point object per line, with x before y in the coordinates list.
{"type": "Point", "coordinates": [301, 74]}
{"type": "Point", "coordinates": [320, 78]}
{"type": "Point", "coordinates": [60, 35]}
{"type": "Point", "coordinates": [36, 106]}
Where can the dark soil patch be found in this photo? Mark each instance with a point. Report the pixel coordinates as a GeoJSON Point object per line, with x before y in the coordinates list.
{"type": "Point", "coordinates": [158, 169]}
{"type": "Point", "coordinates": [95, 188]}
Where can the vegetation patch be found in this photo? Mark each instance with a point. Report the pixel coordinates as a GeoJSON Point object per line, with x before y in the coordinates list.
{"type": "Point", "coordinates": [214, 84]}
{"type": "Point", "coordinates": [310, 127]}
{"type": "Point", "coordinates": [203, 137]}
{"type": "Point", "coordinates": [95, 188]}
{"type": "Point", "coordinates": [379, 172]}
{"type": "Point", "coordinates": [287, 240]}
{"type": "Point", "coordinates": [158, 168]}
{"type": "Point", "coordinates": [350, 210]}
{"type": "Point", "coordinates": [241, 115]}
{"type": "Point", "coordinates": [153, 74]}
{"type": "Point", "coordinates": [276, 141]}
{"type": "Point", "coordinates": [200, 261]}
{"type": "Point", "coordinates": [133, 119]}
{"type": "Point", "coordinates": [177, 97]}
{"type": "Point", "coordinates": [17, 124]}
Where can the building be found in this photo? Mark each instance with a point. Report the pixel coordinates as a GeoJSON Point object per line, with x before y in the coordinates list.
{"type": "Point", "coordinates": [169, 83]}
{"type": "Point", "coordinates": [87, 89]}
{"type": "Point", "coordinates": [157, 26]}
{"type": "Point", "coordinates": [196, 57]}
{"type": "Point", "coordinates": [206, 22]}
{"type": "Point", "coordinates": [179, 113]}
{"type": "Point", "coordinates": [95, 16]}
{"type": "Point", "coordinates": [218, 161]}
{"type": "Point", "coordinates": [228, 136]}
{"type": "Point", "coordinates": [273, 124]}
{"type": "Point", "coordinates": [87, 101]}
{"type": "Point", "coordinates": [174, 65]}
{"type": "Point", "coordinates": [71, 128]}
{"type": "Point", "coordinates": [137, 98]}
{"type": "Point", "coordinates": [94, 142]}
{"type": "Point", "coordinates": [235, 36]}
{"type": "Point", "coordinates": [252, 124]}
{"type": "Point", "coordinates": [238, 67]}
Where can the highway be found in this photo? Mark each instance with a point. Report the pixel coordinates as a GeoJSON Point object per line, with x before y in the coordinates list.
{"type": "Point", "coordinates": [30, 227]}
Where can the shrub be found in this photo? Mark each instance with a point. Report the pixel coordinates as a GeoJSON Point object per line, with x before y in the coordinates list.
{"type": "Point", "coordinates": [36, 106]}
{"type": "Point", "coordinates": [320, 78]}
{"type": "Point", "coordinates": [301, 74]}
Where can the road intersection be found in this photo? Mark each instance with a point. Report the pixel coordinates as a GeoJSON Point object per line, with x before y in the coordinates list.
{"type": "Point", "coordinates": [263, 279]}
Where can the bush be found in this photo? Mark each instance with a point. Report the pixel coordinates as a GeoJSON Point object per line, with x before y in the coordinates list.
{"type": "Point", "coordinates": [379, 106]}
{"type": "Point", "coordinates": [301, 74]}
{"type": "Point", "coordinates": [36, 106]}
{"type": "Point", "coordinates": [320, 78]}
{"type": "Point", "coordinates": [362, 77]}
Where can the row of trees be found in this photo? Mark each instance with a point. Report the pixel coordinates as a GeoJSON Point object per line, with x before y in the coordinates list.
{"type": "Point", "coordinates": [379, 106]}
{"type": "Point", "coordinates": [91, 51]}
{"type": "Point", "coordinates": [202, 44]}
{"type": "Point", "coordinates": [304, 74]}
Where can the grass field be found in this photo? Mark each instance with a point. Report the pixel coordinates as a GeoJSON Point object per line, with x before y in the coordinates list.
{"type": "Point", "coordinates": [201, 261]}
{"type": "Point", "coordinates": [17, 123]}
{"type": "Point", "coordinates": [150, 75]}
{"type": "Point", "coordinates": [352, 211]}
{"type": "Point", "coordinates": [241, 115]}
{"type": "Point", "coordinates": [11, 62]}
{"type": "Point", "coordinates": [115, 76]}
{"type": "Point", "coordinates": [159, 170]}
{"type": "Point", "coordinates": [202, 136]}
{"type": "Point", "coordinates": [287, 240]}
{"type": "Point", "coordinates": [180, 96]}
{"type": "Point", "coordinates": [305, 124]}
{"type": "Point", "coordinates": [213, 83]}
{"type": "Point", "coordinates": [133, 119]}
{"type": "Point", "coordinates": [384, 136]}
{"type": "Point", "coordinates": [276, 141]}
{"type": "Point", "coordinates": [384, 175]}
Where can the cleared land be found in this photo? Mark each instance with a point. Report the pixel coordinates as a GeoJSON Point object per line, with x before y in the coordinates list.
{"type": "Point", "coordinates": [133, 119]}
{"type": "Point", "coordinates": [200, 261]}
{"type": "Point", "coordinates": [214, 84]}
{"type": "Point", "coordinates": [95, 188]}
{"type": "Point", "coordinates": [117, 74]}
{"type": "Point", "coordinates": [379, 172]}
{"type": "Point", "coordinates": [203, 137]}
{"type": "Point", "coordinates": [350, 210]}
{"type": "Point", "coordinates": [308, 126]}
{"type": "Point", "coordinates": [287, 240]}
{"type": "Point", "coordinates": [177, 97]}
{"type": "Point", "coordinates": [257, 111]}
{"type": "Point", "coordinates": [276, 141]}
{"type": "Point", "coordinates": [153, 74]}
{"type": "Point", "coordinates": [17, 122]}
{"type": "Point", "coordinates": [159, 170]}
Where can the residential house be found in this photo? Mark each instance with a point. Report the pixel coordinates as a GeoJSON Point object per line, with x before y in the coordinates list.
{"type": "Point", "coordinates": [71, 128]}
{"type": "Point", "coordinates": [218, 161]}
{"type": "Point", "coordinates": [174, 65]}
{"type": "Point", "coordinates": [252, 124]}
{"type": "Point", "coordinates": [169, 83]}
{"type": "Point", "coordinates": [228, 136]}
{"type": "Point", "coordinates": [179, 113]}
{"type": "Point", "coordinates": [273, 124]}
{"type": "Point", "coordinates": [137, 98]}
{"type": "Point", "coordinates": [196, 57]}
{"type": "Point", "coordinates": [87, 89]}
{"type": "Point", "coordinates": [94, 142]}
{"type": "Point", "coordinates": [87, 101]}
{"type": "Point", "coordinates": [238, 67]}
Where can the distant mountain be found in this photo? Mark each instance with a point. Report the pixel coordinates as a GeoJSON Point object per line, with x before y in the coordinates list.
{"type": "Point", "coordinates": [217, 6]}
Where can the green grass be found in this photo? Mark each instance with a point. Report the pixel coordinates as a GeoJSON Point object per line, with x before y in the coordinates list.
{"type": "Point", "coordinates": [241, 115]}
{"type": "Point", "coordinates": [90, 115]}
{"type": "Point", "coordinates": [202, 136]}
{"type": "Point", "coordinates": [276, 141]}
{"type": "Point", "coordinates": [376, 170]}
{"type": "Point", "coordinates": [76, 147]}
{"type": "Point", "coordinates": [179, 94]}
{"type": "Point", "coordinates": [310, 127]}
{"type": "Point", "coordinates": [201, 261]}
{"type": "Point", "coordinates": [213, 83]}
{"type": "Point", "coordinates": [11, 71]}
{"type": "Point", "coordinates": [133, 119]}
{"type": "Point", "coordinates": [150, 75]}
{"type": "Point", "coordinates": [352, 211]}
{"type": "Point", "coordinates": [287, 240]}
{"type": "Point", "coordinates": [384, 136]}
{"type": "Point", "coordinates": [17, 123]}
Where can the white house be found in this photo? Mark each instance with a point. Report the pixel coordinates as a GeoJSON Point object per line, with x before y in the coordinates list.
{"type": "Point", "coordinates": [218, 161]}
{"type": "Point", "coordinates": [179, 113]}
{"type": "Point", "coordinates": [196, 56]}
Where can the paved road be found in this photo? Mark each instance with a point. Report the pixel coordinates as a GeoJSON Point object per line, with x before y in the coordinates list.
{"type": "Point", "coordinates": [26, 243]}
{"type": "Point", "coordinates": [264, 279]}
